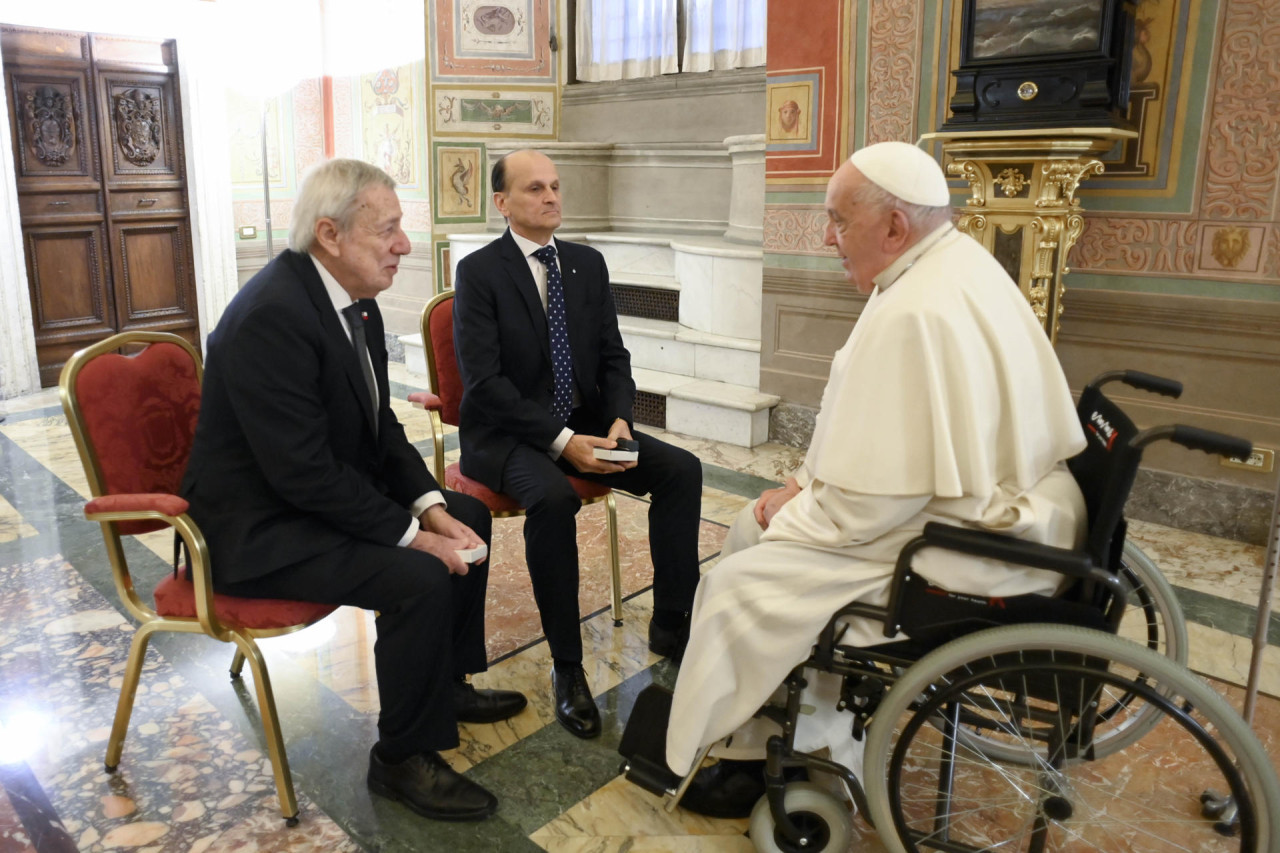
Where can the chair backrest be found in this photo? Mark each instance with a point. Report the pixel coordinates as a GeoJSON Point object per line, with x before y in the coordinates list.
{"type": "Point", "coordinates": [133, 416]}
{"type": "Point", "coordinates": [1105, 471]}
{"type": "Point", "coordinates": [442, 361]}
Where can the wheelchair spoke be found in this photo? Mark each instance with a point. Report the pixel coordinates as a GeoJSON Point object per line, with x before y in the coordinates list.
{"type": "Point", "coordinates": [1057, 796]}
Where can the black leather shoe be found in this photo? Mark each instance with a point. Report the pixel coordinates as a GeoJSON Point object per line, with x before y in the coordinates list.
{"type": "Point", "coordinates": [575, 709]}
{"type": "Point", "coordinates": [485, 706]}
{"type": "Point", "coordinates": [429, 786]}
{"type": "Point", "coordinates": [668, 643]}
{"type": "Point", "coordinates": [728, 789]}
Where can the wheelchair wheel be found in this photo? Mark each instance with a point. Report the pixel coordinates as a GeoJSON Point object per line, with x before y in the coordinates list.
{"type": "Point", "coordinates": [1153, 617]}
{"type": "Point", "coordinates": [1037, 687]}
{"type": "Point", "coordinates": [820, 814]}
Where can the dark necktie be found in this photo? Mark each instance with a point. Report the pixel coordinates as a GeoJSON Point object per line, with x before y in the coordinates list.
{"type": "Point", "coordinates": [355, 317]}
{"type": "Point", "coordinates": [558, 331]}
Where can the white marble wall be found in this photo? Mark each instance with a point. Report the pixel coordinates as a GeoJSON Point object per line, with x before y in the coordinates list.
{"type": "Point", "coordinates": [720, 288]}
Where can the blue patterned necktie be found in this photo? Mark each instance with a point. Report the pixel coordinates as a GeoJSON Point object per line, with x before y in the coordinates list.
{"type": "Point", "coordinates": [558, 331]}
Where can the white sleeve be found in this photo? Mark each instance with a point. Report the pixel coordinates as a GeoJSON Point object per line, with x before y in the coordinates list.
{"type": "Point", "coordinates": [831, 517]}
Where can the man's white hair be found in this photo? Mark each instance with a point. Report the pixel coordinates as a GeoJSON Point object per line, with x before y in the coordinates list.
{"type": "Point", "coordinates": [919, 216]}
{"type": "Point", "coordinates": [330, 191]}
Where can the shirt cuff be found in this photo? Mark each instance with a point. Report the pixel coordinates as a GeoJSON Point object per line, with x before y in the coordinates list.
{"type": "Point", "coordinates": [414, 527]}
{"type": "Point", "coordinates": [426, 502]}
{"type": "Point", "coordinates": [420, 506]}
{"type": "Point", "coordinates": [561, 442]}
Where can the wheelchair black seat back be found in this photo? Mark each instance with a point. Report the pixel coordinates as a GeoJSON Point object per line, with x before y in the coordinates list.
{"type": "Point", "coordinates": [1096, 593]}
{"type": "Point", "coordinates": [1031, 736]}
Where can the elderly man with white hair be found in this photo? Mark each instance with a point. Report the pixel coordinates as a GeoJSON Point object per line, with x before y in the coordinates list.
{"type": "Point", "coordinates": [946, 403]}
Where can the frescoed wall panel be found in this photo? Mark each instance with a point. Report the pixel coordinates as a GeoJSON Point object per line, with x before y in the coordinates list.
{"type": "Point", "coordinates": [460, 183]}
{"type": "Point", "coordinates": [389, 124]}
{"type": "Point", "coordinates": [1203, 172]}
{"type": "Point", "coordinates": [476, 39]}
{"type": "Point", "coordinates": [508, 112]}
{"type": "Point", "coordinates": [807, 86]}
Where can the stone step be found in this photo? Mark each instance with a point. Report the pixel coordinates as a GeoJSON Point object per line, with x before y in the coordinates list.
{"type": "Point", "coordinates": [705, 408]}
{"type": "Point", "coordinates": [674, 348]}
{"type": "Point", "coordinates": [722, 411]}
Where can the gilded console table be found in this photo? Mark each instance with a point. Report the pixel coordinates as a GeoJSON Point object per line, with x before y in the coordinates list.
{"type": "Point", "coordinates": [1022, 205]}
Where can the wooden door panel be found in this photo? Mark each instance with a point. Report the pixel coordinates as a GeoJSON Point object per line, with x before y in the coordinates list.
{"type": "Point", "coordinates": [51, 121]}
{"type": "Point", "coordinates": [71, 302]}
{"type": "Point", "coordinates": [98, 154]}
{"type": "Point", "coordinates": [139, 128]}
{"type": "Point", "coordinates": [153, 279]}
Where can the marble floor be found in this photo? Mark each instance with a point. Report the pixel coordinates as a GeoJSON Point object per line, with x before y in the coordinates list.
{"type": "Point", "coordinates": [195, 776]}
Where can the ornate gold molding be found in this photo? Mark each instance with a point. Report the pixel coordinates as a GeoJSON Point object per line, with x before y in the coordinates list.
{"type": "Point", "coordinates": [1022, 203]}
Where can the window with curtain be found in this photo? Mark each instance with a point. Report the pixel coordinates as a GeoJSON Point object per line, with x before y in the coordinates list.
{"type": "Point", "coordinates": [723, 34]}
{"type": "Point", "coordinates": [627, 39]}
{"type": "Point", "coordinates": [624, 39]}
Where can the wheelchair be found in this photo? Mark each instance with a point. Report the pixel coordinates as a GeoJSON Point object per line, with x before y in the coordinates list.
{"type": "Point", "coordinates": [1032, 723]}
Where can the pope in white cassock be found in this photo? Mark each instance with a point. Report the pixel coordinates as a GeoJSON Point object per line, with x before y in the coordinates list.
{"type": "Point", "coordinates": [946, 403]}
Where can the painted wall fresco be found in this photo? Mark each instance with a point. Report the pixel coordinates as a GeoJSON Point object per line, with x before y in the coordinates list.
{"type": "Point", "coordinates": [1189, 207]}
{"type": "Point", "coordinates": [507, 112]}
{"type": "Point", "coordinates": [461, 184]}
{"type": "Point", "coordinates": [806, 82]}
{"type": "Point", "coordinates": [389, 124]}
{"type": "Point", "coordinates": [477, 39]}
{"type": "Point", "coordinates": [379, 117]}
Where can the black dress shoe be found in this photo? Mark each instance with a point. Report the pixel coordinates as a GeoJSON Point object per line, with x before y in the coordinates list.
{"type": "Point", "coordinates": [485, 706]}
{"type": "Point", "coordinates": [429, 786]}
{"type": "Point", "coordinates": [728, 789]}
{"type": "Point", "coordinates": [667, 642]}
{"type": "Point", "coordinates": [575, 709]}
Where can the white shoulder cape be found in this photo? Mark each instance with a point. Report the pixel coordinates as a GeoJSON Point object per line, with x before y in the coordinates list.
{"type": "Point", "coordinates": [947, 386]}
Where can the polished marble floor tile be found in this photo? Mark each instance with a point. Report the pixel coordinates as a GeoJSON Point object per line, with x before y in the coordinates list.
{"type": "Point", "coordinates": [12, 524]}
{"type": "Point", "coordinates": [195, 777]}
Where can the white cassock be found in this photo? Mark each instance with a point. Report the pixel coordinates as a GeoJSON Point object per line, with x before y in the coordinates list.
{"type": "Point", "coordinates": [947, 404]}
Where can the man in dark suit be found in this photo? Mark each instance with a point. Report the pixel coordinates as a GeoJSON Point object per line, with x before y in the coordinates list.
{"type": "Point", "coordinates": [306, 488]}
{"type": "Point", "coordinates": [546, 380]}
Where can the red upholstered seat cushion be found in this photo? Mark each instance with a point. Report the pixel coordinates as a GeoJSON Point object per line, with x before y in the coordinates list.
{"type": "Point", "coordinates": [498, 502]}
{"type": "Point", "coordinates": [176, 597]}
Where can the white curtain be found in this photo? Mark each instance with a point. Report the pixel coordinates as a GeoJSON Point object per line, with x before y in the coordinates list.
{"type": "Point", "coordinates": [622, 39]}
{"type": "Point", "coordinates": [723, 34]}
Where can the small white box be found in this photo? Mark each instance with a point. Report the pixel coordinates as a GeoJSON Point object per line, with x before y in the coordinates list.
{"type": "Point", "coordinates": [470, 555]}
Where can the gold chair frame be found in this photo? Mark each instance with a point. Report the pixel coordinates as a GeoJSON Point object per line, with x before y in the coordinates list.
{"type": "Point", "coordinates": [150, 622]}
{"type": "Point", "coordinates": [437, 442]}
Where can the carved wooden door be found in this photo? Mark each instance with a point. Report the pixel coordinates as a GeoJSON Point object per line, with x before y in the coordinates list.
{"type": "Point", "coordinates": [98, 156]}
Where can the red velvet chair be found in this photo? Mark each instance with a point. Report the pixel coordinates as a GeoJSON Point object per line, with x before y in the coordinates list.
{"type": "Point", "coordinates": [443, 402]}
{"type": "Point", "coordinates": [134, 418]}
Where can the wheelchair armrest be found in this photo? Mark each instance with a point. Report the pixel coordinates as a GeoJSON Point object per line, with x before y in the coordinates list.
{"type": "Point", "coordinates": [426, 400]}
{"type": "Point", "coordinates": [984, 543]}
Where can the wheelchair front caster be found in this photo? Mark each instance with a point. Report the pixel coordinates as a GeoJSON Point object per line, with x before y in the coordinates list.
{"type": "Point", "coordinates": [823, 819]}
{"type": "Point", "coordinates": [1222, 809]}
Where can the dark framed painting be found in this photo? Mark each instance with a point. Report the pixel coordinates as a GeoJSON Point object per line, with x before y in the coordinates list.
{"type": "Point", "coordinates": [1042, 63]}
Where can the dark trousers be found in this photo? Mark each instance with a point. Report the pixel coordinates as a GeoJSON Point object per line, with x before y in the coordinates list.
{"type": "Point", "coordinates": [430, 625]}
{"type": "Point", "coordinates": [674, 479]}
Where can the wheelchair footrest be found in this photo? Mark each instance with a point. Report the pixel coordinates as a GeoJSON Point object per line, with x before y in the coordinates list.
{"type": "Point", "coordinates": [654, 778]}
{"type": "Point", "coordinates": [644, 742]}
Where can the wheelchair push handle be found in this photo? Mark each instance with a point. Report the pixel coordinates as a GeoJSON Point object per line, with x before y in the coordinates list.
{"type": "Point", "coordinates": [1212, 442]}
{"type": "Point", "coordinates": [1140, 380]}
{"type": "Point", "coordinates": [1195, 438]}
